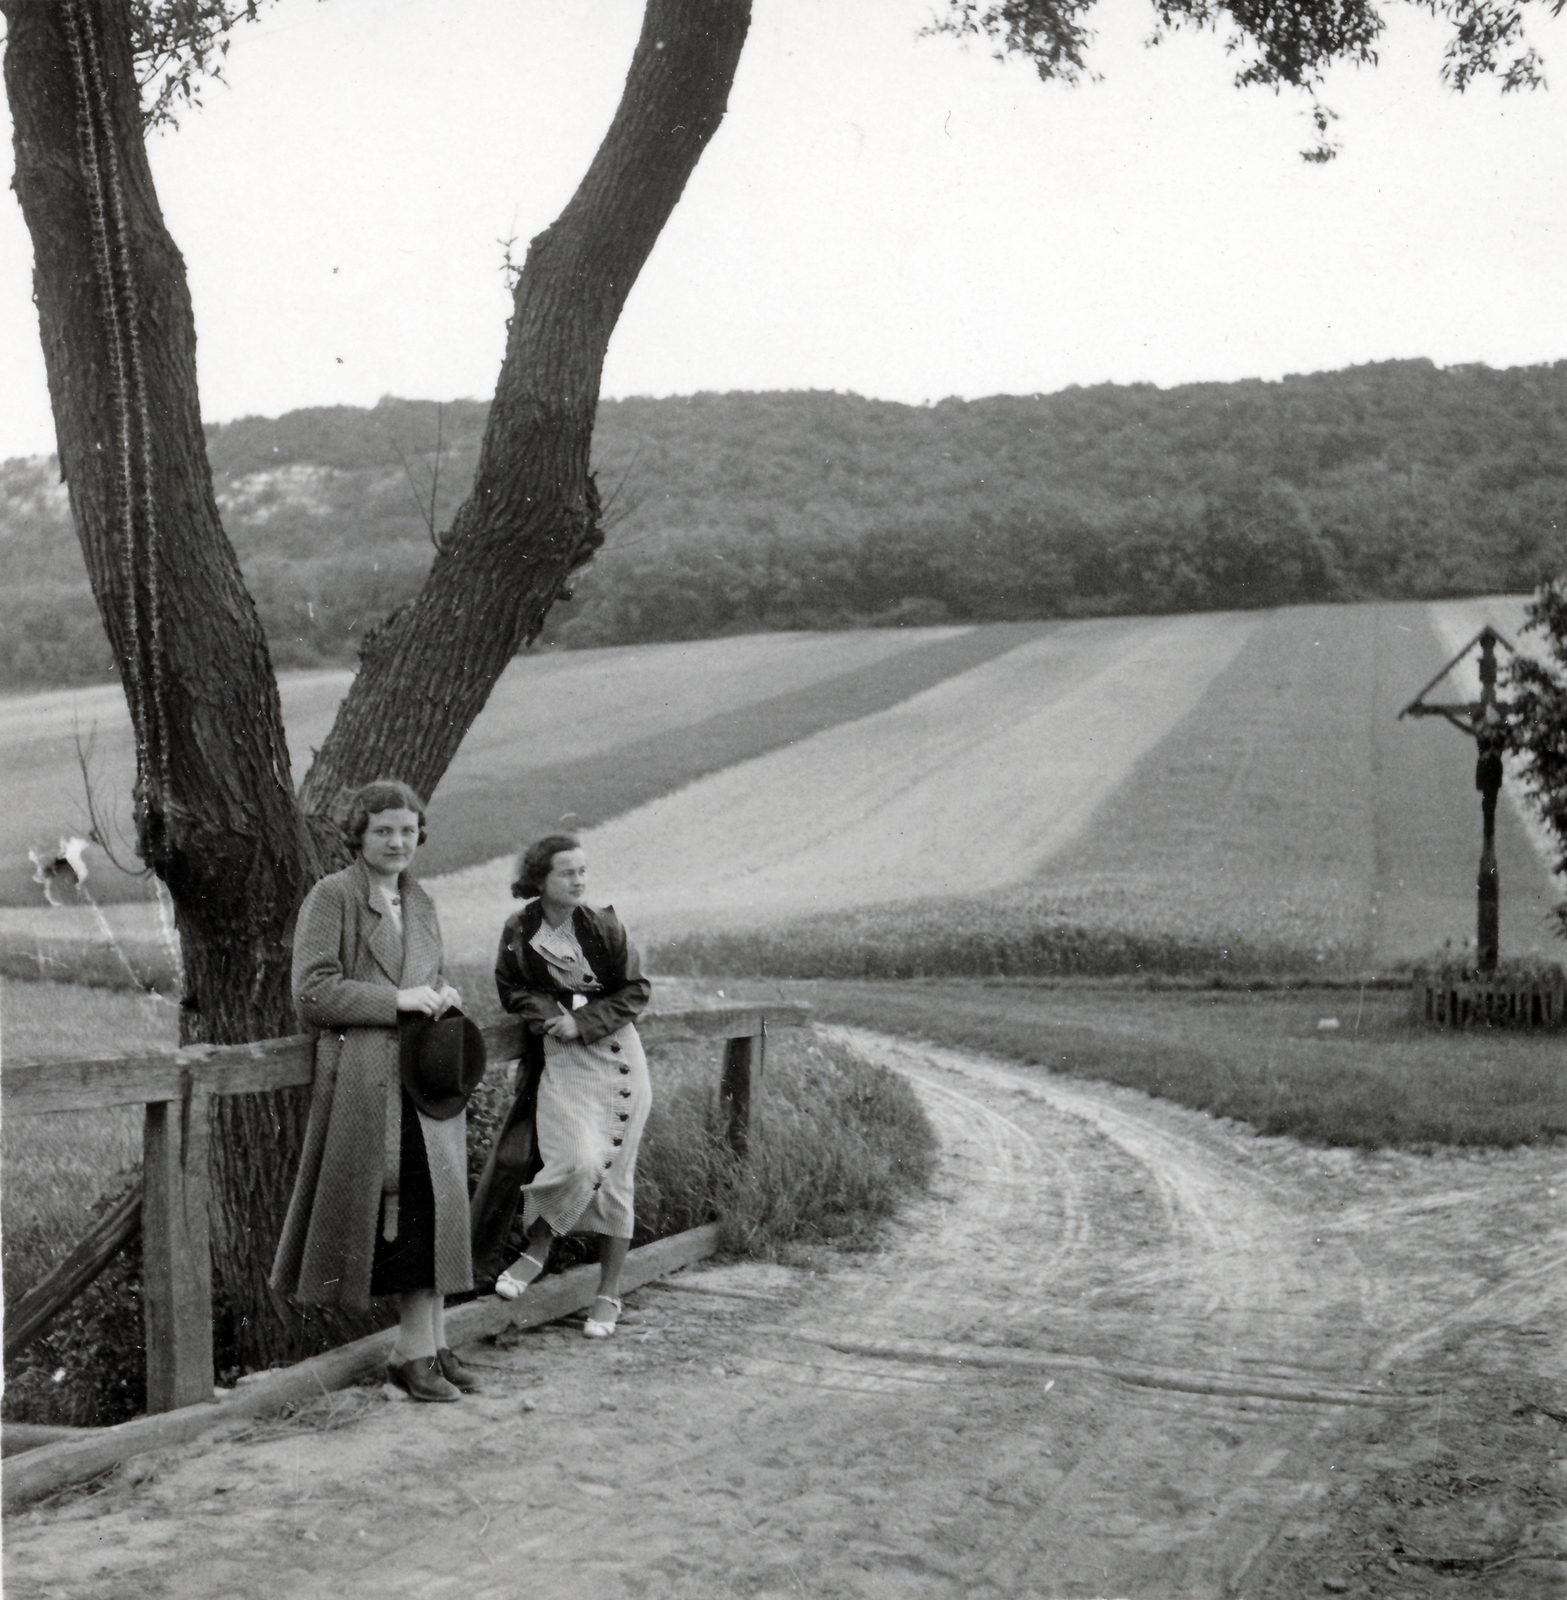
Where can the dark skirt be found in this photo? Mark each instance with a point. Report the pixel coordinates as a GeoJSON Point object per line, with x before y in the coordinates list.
{"type": "Point", "coordinates": [408, 1261]}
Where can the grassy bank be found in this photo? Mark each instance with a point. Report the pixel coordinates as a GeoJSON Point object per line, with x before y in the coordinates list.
{"type": "Point", "coordinates": [835, 1145]}
{"type": "Point", "coordinates": [1374, 1079]}
{"type": "Point", "coordinates": [129, 965]}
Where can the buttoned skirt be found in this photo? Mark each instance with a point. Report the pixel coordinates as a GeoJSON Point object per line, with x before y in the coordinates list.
{"type": "Point", "coordinates": [593, 1104]}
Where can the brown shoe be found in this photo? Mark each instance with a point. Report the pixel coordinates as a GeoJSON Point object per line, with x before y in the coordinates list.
{"type": "Point", "coordinates": [422, 1378]}
{"type": "Point", "coordinates": [465, 1378]}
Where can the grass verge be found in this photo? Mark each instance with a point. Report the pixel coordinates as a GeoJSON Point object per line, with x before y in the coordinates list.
{"type": "Point", "coordinates": [129, 965]}
{"type": "Point", "coordinates": [1376, 1079]}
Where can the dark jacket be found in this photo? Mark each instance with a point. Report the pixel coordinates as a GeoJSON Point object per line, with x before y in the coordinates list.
{"type": "Point", "coordinates": [523, 981]}
{"type": "Point", "coordinates": [526, 988]}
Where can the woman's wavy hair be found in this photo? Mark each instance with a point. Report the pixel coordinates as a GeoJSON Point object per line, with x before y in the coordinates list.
{"type": "Point", "coordinates": [533, 865]}
{"type": "Point", "coordinates": [385, 794]}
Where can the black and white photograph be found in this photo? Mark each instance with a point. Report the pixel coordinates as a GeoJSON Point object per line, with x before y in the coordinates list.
{"type": "Point", "coordinates": [785, 799]}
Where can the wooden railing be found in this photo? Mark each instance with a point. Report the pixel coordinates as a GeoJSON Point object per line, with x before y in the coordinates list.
{"type": "Point", "coordinates": [171, 1204]}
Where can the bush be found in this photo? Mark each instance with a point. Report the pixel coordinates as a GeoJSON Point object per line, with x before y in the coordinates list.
{"type": "Point", "coordinates": [89, 1366]}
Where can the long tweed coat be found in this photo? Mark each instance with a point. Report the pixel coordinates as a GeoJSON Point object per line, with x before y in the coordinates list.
{"type": "Point", "coordinates": [348, 966]}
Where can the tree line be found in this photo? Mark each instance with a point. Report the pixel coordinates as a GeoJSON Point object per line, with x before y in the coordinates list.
{"type": "Point", "coordinates": [741, 512]}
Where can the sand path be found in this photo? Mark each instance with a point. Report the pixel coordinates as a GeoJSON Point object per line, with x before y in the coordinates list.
{"type": "Point", "coordinates": [1120, 1350]}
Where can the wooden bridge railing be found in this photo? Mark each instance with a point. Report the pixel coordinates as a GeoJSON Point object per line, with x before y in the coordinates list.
{"type": "Point", "coordinates": [171, 1205]}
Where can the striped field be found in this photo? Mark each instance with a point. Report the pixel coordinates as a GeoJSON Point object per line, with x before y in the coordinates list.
{"type": "Point", "coordinates": [1289, 821]}
{"type": "Point", "coordinates": [1184, 792]}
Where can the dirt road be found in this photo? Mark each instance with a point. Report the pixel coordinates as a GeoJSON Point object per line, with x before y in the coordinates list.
{"type": "Point", "coordinates": [1121, 1350]}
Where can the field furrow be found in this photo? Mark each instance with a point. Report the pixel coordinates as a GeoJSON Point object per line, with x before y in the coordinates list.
{"type": "Point", "coordinates": [1180, 793]}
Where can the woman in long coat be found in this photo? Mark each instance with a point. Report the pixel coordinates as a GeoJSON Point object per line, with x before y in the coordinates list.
{"type": "Point", "coordinates": [380, 1202]}
{"type": "Point", "coordinates": [570, 1139]}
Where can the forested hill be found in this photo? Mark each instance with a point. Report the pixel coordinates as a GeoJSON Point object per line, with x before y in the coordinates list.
{"type": "Point", "coordinates": [739, 512]}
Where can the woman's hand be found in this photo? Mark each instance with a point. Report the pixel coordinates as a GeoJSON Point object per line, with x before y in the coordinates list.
{"type": "Point", "coordinates": [452, 1000]}
{"type": "Point", "coordinates": [563, 1027]}
{"type": "Point", "coordinates": [432, 1002]}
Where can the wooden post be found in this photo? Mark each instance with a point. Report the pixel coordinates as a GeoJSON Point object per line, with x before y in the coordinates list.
{"type": "Point", "coordinates": [1488, 780]}
{"type": "Point", "coordinates": [735, 1090]}
{"type": "Point", "coordinates": [176, 1253]}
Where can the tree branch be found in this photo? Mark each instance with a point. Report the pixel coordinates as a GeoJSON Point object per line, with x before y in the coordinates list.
{"type": "Point", "coordinates": [533, 516]}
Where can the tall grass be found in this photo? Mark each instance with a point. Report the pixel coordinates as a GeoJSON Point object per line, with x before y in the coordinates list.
{"type": "Point", "coordinates": [1032, 931]}
{"type": "Point", "coordinates": [1376, 1080]}
{"type": "Point", "coordinates": [836, 1144]}
{"type": "Point", "coordinates": [58, 1172]}
{"type": "Point", "coordinates": [55, 1167]}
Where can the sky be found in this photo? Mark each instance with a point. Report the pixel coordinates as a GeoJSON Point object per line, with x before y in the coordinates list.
{"type": "Point", "coordinates": [895, 215]}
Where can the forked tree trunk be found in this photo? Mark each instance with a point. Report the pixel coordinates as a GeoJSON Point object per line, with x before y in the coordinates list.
{"type": "Point", "coordinates": [533, 516]}
{"type": "Point", "coordinates": [216, 813]}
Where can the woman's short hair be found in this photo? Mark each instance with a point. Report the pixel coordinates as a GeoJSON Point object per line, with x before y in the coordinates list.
{"type": "Point", "coordinates": [533, 865]}
{"type": "Point", "coordinates": [385, 794]}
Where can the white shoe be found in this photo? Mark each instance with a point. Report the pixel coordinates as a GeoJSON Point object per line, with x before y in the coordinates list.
{"type": "Point", "coordinates": [510, 1288]}
{"type": "Point", "coordinates": [593, 1328]}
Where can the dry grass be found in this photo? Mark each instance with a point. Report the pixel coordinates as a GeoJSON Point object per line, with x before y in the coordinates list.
{"type": "Point", "coordinates": [1376, 1080]}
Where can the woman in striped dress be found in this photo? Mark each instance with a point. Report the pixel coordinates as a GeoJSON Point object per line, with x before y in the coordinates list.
{"type": "Point", "coordinates": [570, 971]}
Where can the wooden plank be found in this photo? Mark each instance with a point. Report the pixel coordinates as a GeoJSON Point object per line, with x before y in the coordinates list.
{"type": "Point", "coordinates": [503, 1040]}
{"type": "Point", "coordinates": [176, 1254]}
{"type": "Point", "coordinates": [34, 1311]}
{"type": "Point", "coordinates": [726, 1022]}
{"type": "Point", "coordinates": [15, 1437]}
{"type": "Point", "coordinates": [734, 1090]}
{"type": "Point", "coordinates": [42, 1471]}
{"type": "Point", "coordinates": [29, 1088]}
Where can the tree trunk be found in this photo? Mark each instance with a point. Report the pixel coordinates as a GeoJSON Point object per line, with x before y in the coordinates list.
{"type": "Point", "coordinates": [216, 816]}
{"type": "Point", "coordinates": [533, 516]}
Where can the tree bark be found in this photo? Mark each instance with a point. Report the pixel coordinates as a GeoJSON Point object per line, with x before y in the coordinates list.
{"type": "Point", "coordinates": [216, 816]}
{"type": "Point", "coordinates": [532, 518]}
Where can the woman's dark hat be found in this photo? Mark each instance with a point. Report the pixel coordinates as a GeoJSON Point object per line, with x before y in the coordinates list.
{"type": "Point", "coordinates": [442, 1060]}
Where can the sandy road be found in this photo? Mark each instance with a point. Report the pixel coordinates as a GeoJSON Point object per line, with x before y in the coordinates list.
{"type": "Point", "coordinates": [1120, 1350]}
